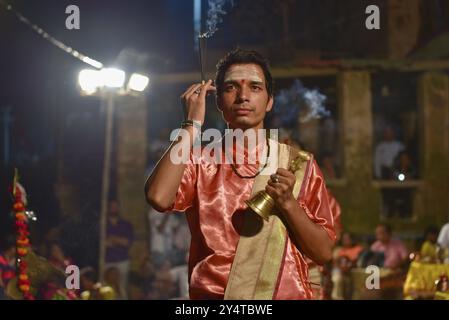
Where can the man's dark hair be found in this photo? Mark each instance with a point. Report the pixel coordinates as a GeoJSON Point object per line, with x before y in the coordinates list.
{"type": "Point", "coordinates": [386, 227]}
{"type": "Point", "coordinates": [89, 273]}
{"type": "Point", "coordinates": [239, 56]}
{"type": "Point", "coordinates": [432, 230]}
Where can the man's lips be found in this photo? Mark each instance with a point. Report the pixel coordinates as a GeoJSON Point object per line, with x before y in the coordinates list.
{"type": "Point", "coordinates": [242, 111]}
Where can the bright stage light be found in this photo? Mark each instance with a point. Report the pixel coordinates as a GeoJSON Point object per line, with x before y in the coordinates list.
{"type": "Point", "coordinates": [138, 82]}
{"type": "Point", "coordinates": [112, 77]}
{"type": "Point", "coordinates": [90, 80]}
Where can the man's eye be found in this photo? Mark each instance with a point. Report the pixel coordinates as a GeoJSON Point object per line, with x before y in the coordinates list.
{"type": "Point", "coordinates": [256, 88]}
{"type": "Point", "coordinates": [229, 87]}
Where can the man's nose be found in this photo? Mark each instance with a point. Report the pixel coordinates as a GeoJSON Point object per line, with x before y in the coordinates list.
{"type": "Point", "coordinates": [243, 94]}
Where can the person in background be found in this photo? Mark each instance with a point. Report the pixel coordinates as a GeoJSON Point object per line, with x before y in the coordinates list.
{"type": "Point", "coordinates": [119, 238]}
{"type": "Point", "coordinates": [180, 276]}
{"type": "Point", "coordinates": [57, 257]}
{"type": "Point", "coordinates": [403, 167]}
{"type": "Point", "coordinates": [394, 250]}
{"type": "Point", "coordinates": [428, 249]}
{"type": "Point", "coordinates": [163, 282]}
{"type": "Point", "coordinates": [349, 249]}
{"type": "Point", "coordinates": [345, 258]}
{"type": "Point", "coordinates": [443, 237]}
{"type": "Point", "coordinates": [112, 279]}
{"type": "Point", "coordinates": [385, 154]}
{"type": "Point", "coordinates": [181, 240]}
{"type": "Point", "coordinates": [141, 279]}
{"type": "Point", "coordinates": [91, 289]}
{"type": "Point", "coordinates": [7, 260]}
{"type": "Point", "coordinates": [51, 236]}
{"type": "Point", "coordinates": [161, 235]}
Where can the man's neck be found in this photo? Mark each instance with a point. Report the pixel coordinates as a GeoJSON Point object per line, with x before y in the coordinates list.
{"type": "Point", "coordinates": [248, 130]}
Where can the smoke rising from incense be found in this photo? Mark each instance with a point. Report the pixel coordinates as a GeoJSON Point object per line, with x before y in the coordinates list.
{"type": "Point", "coordinates": [214, 16]}
{"type": "Point", "coordinates": [299, 102]}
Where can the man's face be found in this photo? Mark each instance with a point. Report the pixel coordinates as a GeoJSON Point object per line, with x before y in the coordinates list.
{"type": "Point", "coordinates": [86, 284]}
{"type": "Point", "coordinates": [432, 237]}
{"type": "Point", "coordinates": [113, 209]}
{"type": "Point", "coordinates": [382, 235]}
{"type": "Point", "coordinates": [244, 99]}
{"type": "Point", "coordinates": [112, 276]}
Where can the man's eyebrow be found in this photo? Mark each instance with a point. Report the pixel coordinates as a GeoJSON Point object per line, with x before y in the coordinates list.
{"type": "Point", "coordinates": [251, 81]}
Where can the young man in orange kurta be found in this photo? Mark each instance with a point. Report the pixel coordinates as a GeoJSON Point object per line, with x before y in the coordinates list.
{"type": "Point", "coordinates": [213, 194]}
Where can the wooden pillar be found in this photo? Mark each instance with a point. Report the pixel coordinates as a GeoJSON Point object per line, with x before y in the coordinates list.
{"type": "Point", "coordinates": [433, 95]}
{"type": "Point", "coordinates": [403, 25]}
{"type": "Point", "coordinates": [360, 201]}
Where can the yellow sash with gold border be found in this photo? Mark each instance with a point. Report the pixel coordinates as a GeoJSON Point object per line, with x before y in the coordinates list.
{"type": "Point", "coordinates": [260, 250]}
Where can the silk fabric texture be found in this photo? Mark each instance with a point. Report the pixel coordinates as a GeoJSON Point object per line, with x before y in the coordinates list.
{"type": "Point", "coordinates": [213, 198]}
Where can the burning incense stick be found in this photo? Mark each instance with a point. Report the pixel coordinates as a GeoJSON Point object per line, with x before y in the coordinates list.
{"type": "Point", "coordinates": [214, 14]}
{"type": "Point", "coordinates": [202, 49]}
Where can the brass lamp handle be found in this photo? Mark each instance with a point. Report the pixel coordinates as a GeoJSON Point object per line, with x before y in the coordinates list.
{"type": "Point", "coordinates": [296, 163]}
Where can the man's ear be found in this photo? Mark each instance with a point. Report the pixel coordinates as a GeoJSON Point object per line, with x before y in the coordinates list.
{"type": "Point", "coordinates": [269, 104]}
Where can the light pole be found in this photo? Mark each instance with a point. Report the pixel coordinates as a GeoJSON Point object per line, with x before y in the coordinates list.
{"type": "Point", "coordinates": [108, 83]}
{"type": "Point", "coordinates": [110, 105]}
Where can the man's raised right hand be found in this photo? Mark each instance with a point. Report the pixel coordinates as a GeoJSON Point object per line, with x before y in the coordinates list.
{"type": "Point", "coordinates": [194, 101]}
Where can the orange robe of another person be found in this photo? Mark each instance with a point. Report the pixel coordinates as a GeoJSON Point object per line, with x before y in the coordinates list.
{"type": "Point", "coordinates": [352, 253]}
{"type": "Point", "coordinates": [213, 197]}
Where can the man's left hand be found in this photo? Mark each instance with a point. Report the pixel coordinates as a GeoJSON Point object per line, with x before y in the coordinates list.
{"type": "Point", "coordinates": [280, 188]}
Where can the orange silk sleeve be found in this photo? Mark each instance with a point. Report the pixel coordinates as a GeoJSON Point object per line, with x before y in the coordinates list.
{"type": "Point", "coordinates": [314, 199]}
{"type": "Point", "coordinates": [185, 196]}
{"type": "Point", "coordinates": [336, 213]}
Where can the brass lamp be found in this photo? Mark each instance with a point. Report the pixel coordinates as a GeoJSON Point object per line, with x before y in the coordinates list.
{"type": "Point", "coordinates": [262, 203]}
